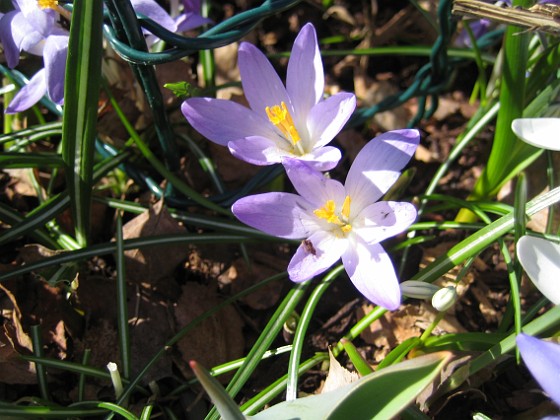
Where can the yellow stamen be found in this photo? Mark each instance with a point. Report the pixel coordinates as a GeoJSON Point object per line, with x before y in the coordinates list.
{"type": "Point", "coordinates": [327, 212]}
{"type": "Point", "coordinates": [281, 118]}
{"type": "Point", "coordinates": [346, 208]}
{"type": "Point", "coordinates": [47, 4]}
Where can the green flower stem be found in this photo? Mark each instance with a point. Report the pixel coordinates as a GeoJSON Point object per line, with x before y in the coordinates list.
{"type": "Point", "coordinates": [122, 303]}
{"type": "Point", "coordinates": [37, 341]}
{"type": "Point", "coordinates": [303, 324]}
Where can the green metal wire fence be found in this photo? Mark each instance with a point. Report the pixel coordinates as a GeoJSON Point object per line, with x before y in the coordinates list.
{"type": "Point", "coordinates": [123, 30]}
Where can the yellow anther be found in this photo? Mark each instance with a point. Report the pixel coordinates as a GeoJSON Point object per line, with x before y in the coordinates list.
{"type": "Point", "coordinates": [327, 212]}
{"type": "Point", "coordinates": [346, 208]}
{"type": "Point", "coordinates": [281, 118]}
{"type": "Point", "coordinates": [47, 4]}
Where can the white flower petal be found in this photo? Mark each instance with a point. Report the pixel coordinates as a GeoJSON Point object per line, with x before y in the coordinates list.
{"type": "Point", "coordinates": [541, 260]}
{"type": "Point", "coordinates": [539, 132]}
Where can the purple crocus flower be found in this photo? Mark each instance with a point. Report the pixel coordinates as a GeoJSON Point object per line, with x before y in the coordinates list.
{"type": "Point", "coordinates": [341, 221]}
{"type": "Point", "coordinates": [191, 17]}
{"type": "Point", "coordinates": [542, 358]}
{"type": "Point", "coordinates": [292, 121]}
{"type": "Point", "coordinates": [33, 28]}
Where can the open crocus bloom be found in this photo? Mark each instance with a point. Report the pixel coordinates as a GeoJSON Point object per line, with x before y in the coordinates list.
{"type": "Point", "coordinates": [33, 28]}
{"type": "Point", "coordinates": [283, 122]}
{"type": "Point", "coordinates": [540, 259]}
{"type": "Point", "coordinates": [542, 358]}
{"type": "Point", "coordinates": [539, 132]}
{"type": "Point", "coordinates": [342, 221]}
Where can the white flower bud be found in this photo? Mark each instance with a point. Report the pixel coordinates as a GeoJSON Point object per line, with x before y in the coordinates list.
{"type": "Point", "coordinates": [444, 298]}
{"type": "Point", "coordinates": [418, 289]}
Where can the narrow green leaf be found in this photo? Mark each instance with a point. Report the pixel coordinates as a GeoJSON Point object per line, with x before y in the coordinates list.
{"type": "Point", "coordinates": [361, 364]}
{"type": "Point", "coordinates": [30, 160]}
{"type": "Point", "coordinates": [81, 95]}
{"type": "Point", "coordinates": [225, 405]}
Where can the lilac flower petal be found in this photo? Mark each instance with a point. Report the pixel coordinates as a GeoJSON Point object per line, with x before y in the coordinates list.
{"type": "Point", "coordinates": [11, 48]}
{"type": "Point", "coordinates": [312, 184]}
{"type": "Point", "coordinates": [543, 361]}
{"type": "Point", "coordinates": [222, 121]}
{"type": "Point", "coordinates": [278, 214]}
{"type": "Point", "coordinates": [478, 27]}
{"type": "Point", "coordinates": [55, 53]}
{"type": "Point", "coordinates": [305, 79]}
{"type": "Point", "coordinates": [42, 20]}
{"type": "Point", "coordinates": [323, 158]}
{"type": "Point", "coordinates": [327, 118]}
{"type": "Point", "coordinates": [24, 34]}
{"type": "Point", "coordinates": [30, 94]}
{"type": "Point", "coordinates": [315, 255]}
{"type": "Point", "coordinates": [373, 274]}
{"type": "Point", "coordinates": [378, 165]}
{"type": "Point", "coordinates": [191, 5]}
{"type": "Point", "coordinates": [261, 84]}
{"type": "Point", "coordinates": [154, 11]}
{"type": "Point", "coordinates": [256, 150]}
{"type": "Point", "coordinates": [384, 219]}
{"type": "Point", "coordinates": [188, 21]}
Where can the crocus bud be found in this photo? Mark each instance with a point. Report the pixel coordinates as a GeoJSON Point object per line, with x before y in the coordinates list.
{"type": "Point", "coordinates": [418, 289]}
{"type": "Point", "coordinates": [444, 298]}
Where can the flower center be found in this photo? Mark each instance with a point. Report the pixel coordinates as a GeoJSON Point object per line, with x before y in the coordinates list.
{"type": "Point", "coordinates": [47, 4]}
{"type": "Point", "coordinates": [328, 213]}
{"type": "Point", "coordinates": [281, 118]}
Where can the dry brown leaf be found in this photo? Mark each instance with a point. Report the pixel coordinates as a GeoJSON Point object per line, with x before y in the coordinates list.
{"type": "Point", "coordinates": [152, 264]}
{"type": "Point", "coordinates": [371, 92]}
{"type": "Point", "coordinates": [410, 320]}
{"type": "Point", "coordinates": [240, 277]}
{"type": "Point", "coordinates": [233, 171]}
{"type": "Point", "coordinates": [13, 340]}
{"type": "Point", "coordinates": [227, 71]}
{"type": "Point", "coordinates": [217, 339]}
{"type": "Point", "coordinates": [13, 369]}
{"type": "Point", "coordinates": [338, 375]}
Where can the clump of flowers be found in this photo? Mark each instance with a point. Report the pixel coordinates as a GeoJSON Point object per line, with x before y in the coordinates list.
{"type": "Point", "coordinates": [34, 27]}
{"type": "Point", "coordinates": [282, 122]}
{"type": "Point", "coordinates": [336, 220]}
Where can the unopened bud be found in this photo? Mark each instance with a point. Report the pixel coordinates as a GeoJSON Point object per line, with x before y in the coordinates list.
{"type": "Point", "coordinates": [444, 298]}
{"type": "Point", "coordinates": [418, 289]}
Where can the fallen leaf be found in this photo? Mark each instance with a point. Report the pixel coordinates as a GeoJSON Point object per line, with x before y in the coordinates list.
{"type": "Point", "coordinates": [154, 263]}
{"type": "Point", "coordinates": [216, 339]}
{"type": "Point", "coordinates": [338, 375]}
